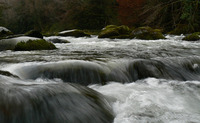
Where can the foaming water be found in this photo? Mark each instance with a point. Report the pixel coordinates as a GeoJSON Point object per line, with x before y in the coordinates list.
{"type": "Point", "coordinates": [98, 72]}
{"type": "Point", "coordinates": [106, 49]}
{"type": "Point", "coordinates": [50, 102]}
{"type": "Point", "coordinates": [143, 80]}
{"type": "Point", "coordinates": [153, 100]}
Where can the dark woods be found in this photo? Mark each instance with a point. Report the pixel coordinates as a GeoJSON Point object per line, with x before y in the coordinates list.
{"type": "Point", "coordinates": [56, 15]}
{"type": "Point", "coordinates": [48, 15]}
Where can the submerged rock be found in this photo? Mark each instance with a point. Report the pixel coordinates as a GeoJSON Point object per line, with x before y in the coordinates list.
{"type": "Point", "coordinates": [113, 31]}
{"type": "Point", "coordinates": [4, 32]}
{"type": "Point", "coordinates": [57, 40]}
{"type": "Point", "coordinates": [6, 73]}
{"type": "Point", "coordinates": [34, 45]}
{"type": "Point", "coordinates": [192, 37]}
{"type": "Point", "coordinates": [34, 33]}
{"type": "Point", "coordinates": [75, 33]}
{"type": "Point", "coordinates": [25, 102]}
{"type": "Point", "coordinates": [147, 33]}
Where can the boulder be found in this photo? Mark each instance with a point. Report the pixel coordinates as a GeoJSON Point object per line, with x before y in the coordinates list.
{"type": "Point", "coordinates": [75, 33]}
{"type": "Point", "coordinates": [34, 33]}
{"type": "Point", "coordinates": [57, 40]}
{"type": "Point", "coordinates": [113, 31]}
{"type": "Point", "coordinates": [10, 43]}
{"type": "Point", "coordinates": [4, 32]}
{"type": "Point", "coordinates": [192, 37]}
{"type": "Point", "coordinates": [147, 33]}
{"type": "Point", "coordinates": [40, 44]}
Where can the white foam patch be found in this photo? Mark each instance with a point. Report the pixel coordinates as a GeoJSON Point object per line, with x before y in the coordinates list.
{"type": "Point", "coordinates": [151, 101]}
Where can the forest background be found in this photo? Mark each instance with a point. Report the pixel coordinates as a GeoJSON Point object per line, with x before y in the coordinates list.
{"type": "Point", "coordinates": [56, 15]}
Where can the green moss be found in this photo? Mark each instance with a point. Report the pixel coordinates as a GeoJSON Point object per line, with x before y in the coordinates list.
{"type": "Point", "coordinates": [75, 33]}
{"type": "Point", "coordinates": [113, 31]}
{"type": "Point", "coordinates": [110, 26]}
{"type": "Point", "coordinates": [123, 30]}
{"type": "Point", "coordinates": [147, 33]}
{"type": "Point", "coordinates": [108, 33]}
{"type": "Point", "coordinates": [192, 37]}
{"type": "Point", "coordinates": [181, 29]}
{"type": "Point", "coordinates": [34, 45]}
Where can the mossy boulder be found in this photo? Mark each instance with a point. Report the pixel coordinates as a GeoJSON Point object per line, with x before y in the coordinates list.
{"type": "Point", "coordinates": [147, 33]}
{"type": "Point", "coordinates": [113, 31]}
{"type": "Point", "coordinates": [10, 43]}
{"type": "Point", "coordinates": [34, 33]}
{"type": "Point", "coordinates": [192, 37]}
{"type": "Point", "coordinates": [75, 33]}
{"type": "Point", "coordinates": [181, 29]}
{"type": "Point", "coordinates": [4, 32]}
{"type": "Point", "coordinates": [34, 45]}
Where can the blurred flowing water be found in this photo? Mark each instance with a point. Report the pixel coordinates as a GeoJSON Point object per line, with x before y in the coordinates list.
{"type": "Point", "coordinates": [128, 81]}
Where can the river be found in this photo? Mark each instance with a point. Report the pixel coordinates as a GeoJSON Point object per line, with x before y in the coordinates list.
{"type": "Point", "coordinates": [136, 81]}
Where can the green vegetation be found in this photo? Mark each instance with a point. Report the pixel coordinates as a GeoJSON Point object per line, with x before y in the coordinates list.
{"type": "Point", "coordinates": [53, 15]}
{"type": "Point", "coordinates": [113, 31]}
{"type": "Point", "coordinates": [147, 33]}
{"type": "Point", "coordinates": [180, 29]}
{"type": "Point", "coordinates": [50, 16]}
{"type": "Point", "coordinates": [170, 14]}
{"type": "Point", "coordinates": [192, 37]}
{"type": "Point", "coordinates": [34, 45]}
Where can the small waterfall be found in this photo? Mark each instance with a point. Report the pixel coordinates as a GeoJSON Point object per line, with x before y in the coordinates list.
{"type": "Point", "coordinates": [30, 102]}
{"type": "Point", "coordinates": [85, 72]}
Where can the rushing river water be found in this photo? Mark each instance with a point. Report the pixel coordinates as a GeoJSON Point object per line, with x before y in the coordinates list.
{"type": "Point", "coordinates": [134, 81]}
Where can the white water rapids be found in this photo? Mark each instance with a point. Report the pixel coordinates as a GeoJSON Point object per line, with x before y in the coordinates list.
{"type": "Point", "coordinates": [154, 100]}
{"type": "Point", "coordinates": [154, 81]}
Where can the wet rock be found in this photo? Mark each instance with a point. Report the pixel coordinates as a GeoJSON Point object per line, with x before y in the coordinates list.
{"type": "Point", "coordinates": [113, 31]}
{"type": "Point", "coordinates": [6, 73]}
{"type": "Point", "coordinates": [34, 45]}
{"type": "Point", "coordinates": [192, 37]}
{"type": "Point", "coordinates": [75, 33]}
{"type": "Point", "coordinates": [4, 32]}
{"type": "Point", "coordinates": [147, 33]}
{"type": "Point", "coordinates": [10, 43]}
{"type": "Point", "coordinates": [34, 33]}
{"type": "Point", "coordinates": [57, 40]}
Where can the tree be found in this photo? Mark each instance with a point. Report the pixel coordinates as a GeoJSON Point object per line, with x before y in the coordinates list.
{"type": "Point", "coordinates": [129, 11]}
{"type": "Point", "coordinates": [168, 14]}
{"type": "Point", "coordinates": [96, 14]}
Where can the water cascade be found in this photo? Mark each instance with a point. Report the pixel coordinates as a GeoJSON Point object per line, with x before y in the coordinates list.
{"type": "Point", "coordinates": [102, 80]}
